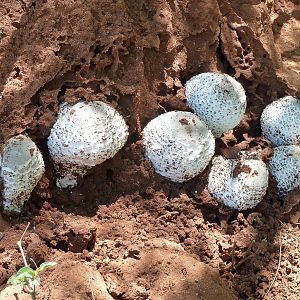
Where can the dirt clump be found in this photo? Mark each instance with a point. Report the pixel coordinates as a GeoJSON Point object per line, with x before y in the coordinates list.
{"type": "Point", "coordinates": [173, 274]}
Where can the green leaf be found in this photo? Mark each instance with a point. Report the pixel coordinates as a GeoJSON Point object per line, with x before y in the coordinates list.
{"type": "Point", "coordinates": [19, 279]}
{"type": "Point", "coordinates": [13, 280]}
{"type": "Point", "coordinates": [22, 276]}
{"type": "Point", "coordinates": [26, 270]}
{"type": "Point", "coordinates": [45, 266]}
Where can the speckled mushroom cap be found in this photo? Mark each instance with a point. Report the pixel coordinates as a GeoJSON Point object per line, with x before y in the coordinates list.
{"type": "Point", "coordinates": [280, 121]}
{"type": "Point", "coordinates": [178, 144]}
{"type": "Point", "coordinates": [217, 99]}
{"type": "Point", "coordinates": [285, 168]}
{"type": "Point", "coordinates": [22, 166]}
{"type": "Point", "coordinates": [238, 183]}
{"type": "Point", "coordinates": [84, 135]}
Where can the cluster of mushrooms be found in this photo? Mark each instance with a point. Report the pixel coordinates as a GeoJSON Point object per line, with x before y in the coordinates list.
{"type": "Point", "coordinates": [179, 144]}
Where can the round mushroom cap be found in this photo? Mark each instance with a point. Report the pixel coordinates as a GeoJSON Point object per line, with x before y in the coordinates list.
{"type": "Point", "coordinates": [84, 135]}
{"type": "Point", "coordinates": [280, 121]}
{"type": "Point", "coordinates": [238, 183]}
{"type": "Point", "coordinates": [285, 168]}
{"type": "Point", "coordinates": [217, 99]}
{"type": "Point", "coordinates": [22, 167]}
{"type": "Point", "coordinates": [178, 144]}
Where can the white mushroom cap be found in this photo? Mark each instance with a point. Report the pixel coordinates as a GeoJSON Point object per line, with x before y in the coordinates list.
{"type": "Point", "coordinates": [280, 121]}
{"type": "Point", "coordinates": [217, 99]}
{"type": "Point", "coordinates": [285, 168]}
{"type": "Point", "coordinates": [238, 183]}
{"type": "Point", "coordinates": [84, 135]}
{"type": "Point", "coordinates": [22, 167]}
{"type": "Point", "coordinates": [178, 144]}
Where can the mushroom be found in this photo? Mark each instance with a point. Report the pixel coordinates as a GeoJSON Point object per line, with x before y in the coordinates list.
{"type": "Point", "coordinates": [22, 167]}
{"type": "Point", "coordinates": [84, 135]}
{"type": "Point", "coordinates": [217, 99]}
{"type": "Point", "coordinates": [238, 183]}
{"type": "Point", "coordinates": [285, 168]}
{"type": "Point", "coordinates": [178, 144]}
{"type": "Point", "coordinates": [280, 121]}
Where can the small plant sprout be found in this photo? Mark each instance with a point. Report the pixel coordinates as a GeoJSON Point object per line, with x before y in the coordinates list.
{"type": "Point", "coordinates": [26, 276]}
{"type": "Point", "coordinates": [30, 278]}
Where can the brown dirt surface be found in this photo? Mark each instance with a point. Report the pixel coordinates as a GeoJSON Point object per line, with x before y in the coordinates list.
{"type": "Point", "coordinates": [125, 232]}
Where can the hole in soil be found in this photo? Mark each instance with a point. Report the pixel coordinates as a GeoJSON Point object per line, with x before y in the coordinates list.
{"type": "Point", "coordinates": [168, 208]}
{"type": "Point", "coordinates": [91, 244]}
{"type": "Point", "coordinates": [61, 93]}
{"type": "Point", "coordinates": [91, 48]}
{"type": "Point", "coordinates": [233, 217]}
{"type": "Point", "coordinates": [17, 72]}
{"type": "Point", "coordinates": [76, 68]}
{"type": "Point", "coordinates": [5, 266]}
{"type": "Point", "coordinates": [183, 77]}
{"type": "Point", "coordinates": [134, 137]}
{"type": "Point", "coordinates": [231, 143]}
{"type": "Point", "coordinates": [92, 66]}
{"type": "Point", "coordinates": [62, 245]}
{"type": "Point", "coordinates": [97, 50]}
{"type": "Point", "coordinates": [162, 90]}
{"type": "Point", "coordinates": [61, 38]}
{"type": "Point", "coordinates": [35, 99]}
{"type": "Point", "coordinates": [116, 296]}
{"type": "Point", "coordinates": [175, 90]}
{"type": "Point", "coordinates": [145, 195]}
{"type": "Point", "coordinates": [111, 98]}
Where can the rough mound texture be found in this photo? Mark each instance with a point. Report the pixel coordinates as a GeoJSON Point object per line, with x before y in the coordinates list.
{"type": "Point", "coordinates": [175, 272]}
{"type": "Point", "coordinates": [238, 183]}
{"type": "Point", "coordinates": [22, 166]}
{"type": "Point", "coordinates": [89, 282]}
{"type": "Point", "coordinates": [280, 121]}
{"type": "Point", "coordinates": [217, 99]}
{"type": "Point", "coordinates": [85, 135]}
{"type": "Point", "coordinates": [285, 167]}
{"type": "Point", "coordinates": [175, 275]}
{"type": "Point", "coordinates": [11, 292]}
{"type": "Point", "coordinates": [179, 145]}
{"type": "Point", "coordinates": [137, 56]}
